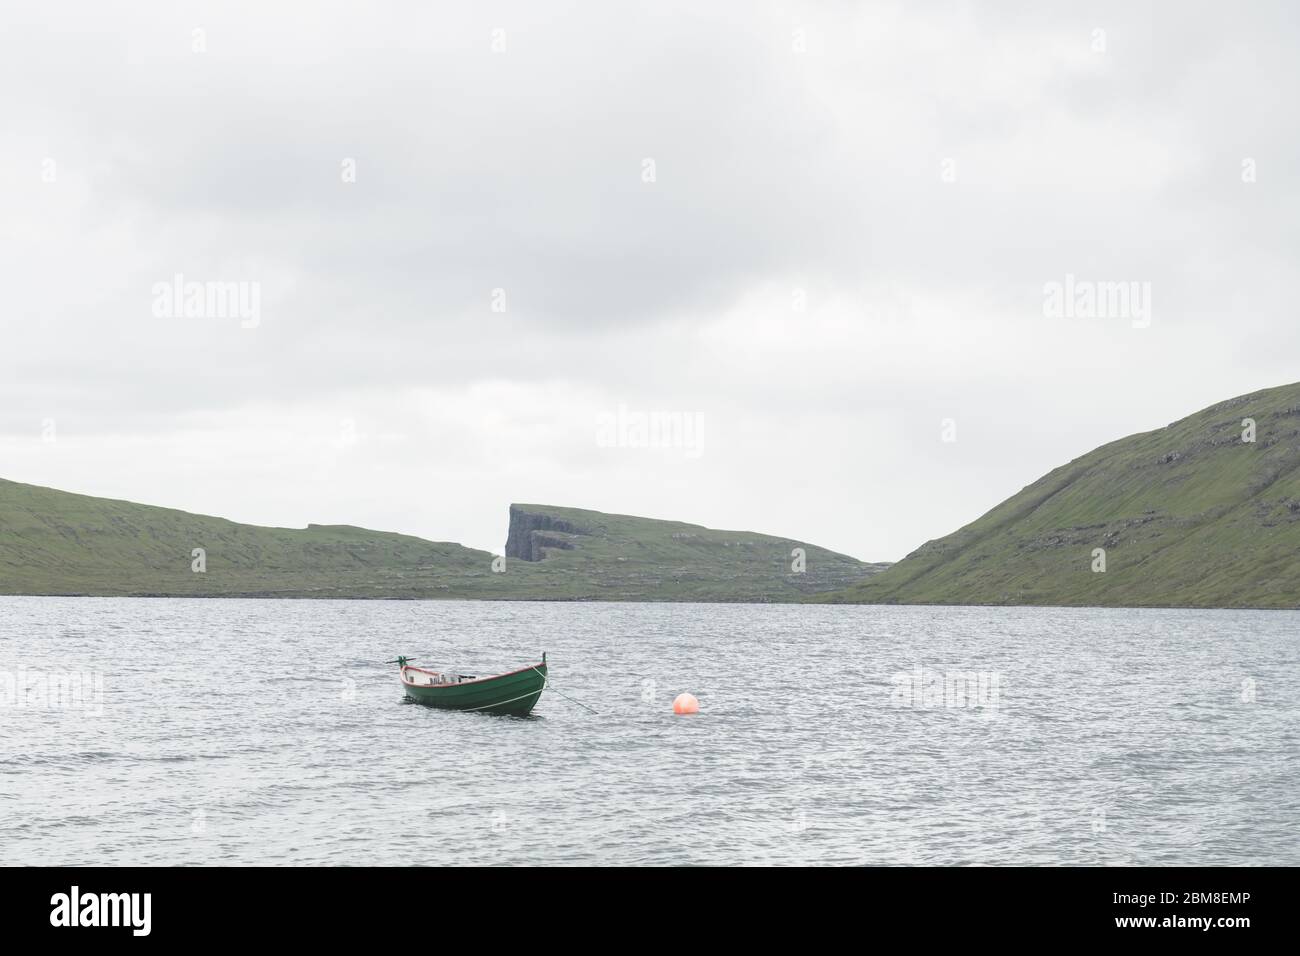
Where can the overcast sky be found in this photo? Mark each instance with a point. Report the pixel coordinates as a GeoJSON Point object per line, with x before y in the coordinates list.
{"type": "Point", "coordinates": [813, 232]}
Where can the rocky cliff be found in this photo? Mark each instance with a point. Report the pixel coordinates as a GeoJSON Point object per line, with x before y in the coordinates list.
{"type": "Point", "coordinates": [531, 533]}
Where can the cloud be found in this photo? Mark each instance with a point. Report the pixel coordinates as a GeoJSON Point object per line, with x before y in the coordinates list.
{"type": "Point", "coordinates": [853, 213]}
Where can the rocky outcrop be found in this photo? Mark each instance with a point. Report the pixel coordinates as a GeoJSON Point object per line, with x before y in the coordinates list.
{"type": "Point", "coordinates": [527, 539]}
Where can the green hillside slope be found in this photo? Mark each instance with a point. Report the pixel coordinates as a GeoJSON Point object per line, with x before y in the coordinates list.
{"type": "Point", "coordinates": [620, 557]}
{"type": "Point", "coordinates": [1188, 515]}
{"type": "Point", "coordinates": [54, 542]}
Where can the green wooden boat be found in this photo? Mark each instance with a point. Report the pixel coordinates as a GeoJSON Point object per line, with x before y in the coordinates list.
{"type": "Point", "coordinates": [513, 694]}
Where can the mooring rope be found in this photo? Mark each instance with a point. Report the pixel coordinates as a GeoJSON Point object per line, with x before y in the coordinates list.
{"type": "Point", "coordinates": [547, 683]}
{"type": "Point", "coordinates": [502, 703]}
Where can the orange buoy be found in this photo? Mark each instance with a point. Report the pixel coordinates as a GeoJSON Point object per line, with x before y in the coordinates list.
{"type": "Point", "coordinates": [686, 704]}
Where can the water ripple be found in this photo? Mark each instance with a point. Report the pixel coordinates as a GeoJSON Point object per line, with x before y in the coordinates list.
{"type": "Point", "coordinates": [269, 732]}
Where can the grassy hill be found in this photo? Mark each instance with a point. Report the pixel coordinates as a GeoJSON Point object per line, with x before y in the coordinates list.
{"type": "Point", "coordinates": [54, 542]}
{"type": "Point", "coordinates": [598, 556]}
{"type": "Point", "coordinates": [1188, 515]}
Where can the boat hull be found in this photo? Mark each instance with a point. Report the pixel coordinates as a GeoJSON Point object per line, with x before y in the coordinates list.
{"type": "Point", "coordinates": [514, 694]}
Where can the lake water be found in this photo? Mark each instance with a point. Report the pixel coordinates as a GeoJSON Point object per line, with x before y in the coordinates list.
{"type": "Point", "coordinates": [269, 732]}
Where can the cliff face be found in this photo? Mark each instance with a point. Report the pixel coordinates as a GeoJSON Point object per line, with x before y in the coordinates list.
{"type": "Point", "coordinates": [527, 540]}
{"type": "Point", "coordinates": [590, 555]}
